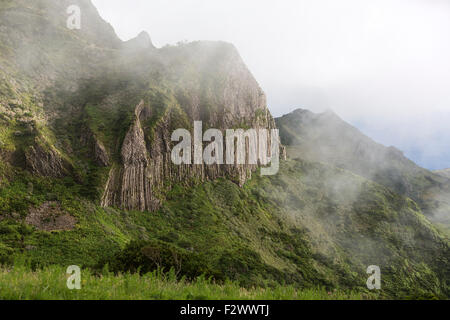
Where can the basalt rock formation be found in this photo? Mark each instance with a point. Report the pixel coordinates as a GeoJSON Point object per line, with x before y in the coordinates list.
{"type": "Point", "coordinates": [122, 100]}
{"type": "Point", "coordinates": [95, 147]}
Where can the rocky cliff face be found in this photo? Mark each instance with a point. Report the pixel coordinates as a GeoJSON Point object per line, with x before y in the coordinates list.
{"type": "Point", "coordinates": [213, 86]}
{"type": "Point", "coordinates": [108, 103]}
{"type": "Point", "coordinates": [130, 186]}
{"type": "Point", "coordinates": [95, 147]}
{"type": "Point", "coordinates": [45, 160]}
{"type": "Point", "coordinates": [146, 170]}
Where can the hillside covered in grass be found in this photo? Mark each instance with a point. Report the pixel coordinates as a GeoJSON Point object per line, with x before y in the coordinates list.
{"type": "Point", "coordinates": [86, 178]}
{"type": "Point", "coordinates": [50, 284]}
{"type": "Point", "coordinates": [310, 226]}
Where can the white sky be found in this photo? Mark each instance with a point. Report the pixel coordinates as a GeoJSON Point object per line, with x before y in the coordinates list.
{"type": "Point", "coordinates": [383, 65]}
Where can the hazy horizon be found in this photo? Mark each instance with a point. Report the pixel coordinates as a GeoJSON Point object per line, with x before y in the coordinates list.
{"type": "Point", "coordinates": [381, 66]}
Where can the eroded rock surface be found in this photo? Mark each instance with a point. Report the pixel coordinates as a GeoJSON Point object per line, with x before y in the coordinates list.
{"type": "Point", "coordinates": [97, 149]}
{"type": "Point", "coordinates": [45, 160]}
{"type": "Point", "coordinates": [50, 217]}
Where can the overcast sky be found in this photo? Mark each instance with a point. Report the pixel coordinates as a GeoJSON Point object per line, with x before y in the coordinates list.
{"type": "Point", "coordinates": [382, 65]}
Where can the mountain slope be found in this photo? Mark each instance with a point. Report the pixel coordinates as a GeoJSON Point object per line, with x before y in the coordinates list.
{"type": "Point", "coordinates": [326, 138]}
{"type": "Point", "coordinates": [445, 173]}
{"type": "Point", "coordinates": [86, 176]}
{"type": "Point", "coordinates": [95, 102]}
{"type": "Point", "coordinates": [311, 225]}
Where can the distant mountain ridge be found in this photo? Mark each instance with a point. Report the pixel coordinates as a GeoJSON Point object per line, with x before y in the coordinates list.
{"type": "Point", "coordinates": [327, 138]}
{"type": "Point", "coordinates": [445, 173]}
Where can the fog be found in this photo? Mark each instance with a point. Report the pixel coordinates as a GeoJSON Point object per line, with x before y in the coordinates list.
{"type": "Point", "coordinates": [381, 65]}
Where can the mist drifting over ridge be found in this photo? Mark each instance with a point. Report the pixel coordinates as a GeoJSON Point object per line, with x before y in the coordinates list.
{"type": "Point", "coordinates": [381, 66]}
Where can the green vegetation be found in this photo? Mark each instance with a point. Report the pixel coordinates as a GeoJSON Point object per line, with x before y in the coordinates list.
{"type": "Point", "coordinates": [311, 226]}
{"type": "Point", "coordinates": [50, 284]}
{"type": "Point", "coordinates": [294, 228]}
{"type": "Point", "coordinates": [344, 146]}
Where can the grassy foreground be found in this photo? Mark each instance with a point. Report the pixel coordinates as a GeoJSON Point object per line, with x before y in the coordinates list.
{"type": "Point", "coordinates": [19, 283]}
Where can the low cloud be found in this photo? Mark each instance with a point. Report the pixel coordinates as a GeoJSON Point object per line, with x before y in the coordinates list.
{"type": "Point", "coordinates": [381, 65]}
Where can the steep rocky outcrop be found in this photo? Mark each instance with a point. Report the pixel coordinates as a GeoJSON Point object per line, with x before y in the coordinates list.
{"type": "Point", "coordinates": [141, 42]}
{"type": "Point", "coordinates": [445, 173]}
{"type": "Point", "coordinates": [43, 159]}
{"type": "Point", "coordinates": [100, 154]}
{"type": "Point", "coordinates": [88, 80]}
{"type": "Point", "coordinates": [97, 150]}
{"type": "Point", "coordinates": [211, 84]}
{"type": "Point", "coordinates": [145, 172]}
{"type": "Point", "coordinates": [130, 186]}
